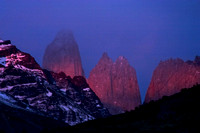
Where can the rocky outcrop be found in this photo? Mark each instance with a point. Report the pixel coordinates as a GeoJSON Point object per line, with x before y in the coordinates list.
{"type": "Point", "coordinates": [5, 42]}
{"type": "Point", "coordinates": [24, 85]}
{"type": "Point", "coordinates": [115, 83]}
{"type": "Point", "coordinates": [171, 76]}
{"type": "Point", "coordinates": [62, 55]}
{"type": "Point", "coordinates": [78, 90]}
{"type": "Point", "coordinates": [11, 56]}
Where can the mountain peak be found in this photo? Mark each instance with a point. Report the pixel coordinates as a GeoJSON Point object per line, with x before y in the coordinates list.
{"type": "Point", "coordinates": [171, 76]}
{"type": "Point", "coordinates": [115, 83]}
{"type": "Point", "coordinates": [63, 55]}
{"type": "Point", "coordinates": [105, 59]}
{"type": "Point", "coordinates": [65, 33]}
{"type": "Point", "coordinates": [105, 55]}
{"type": "Point", "coordinates": [121, 59]}
{"type": "Point", "coordinates": [64, 37]}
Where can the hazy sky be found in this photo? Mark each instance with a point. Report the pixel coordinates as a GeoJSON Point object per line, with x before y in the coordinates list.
{"type": "Point", "coordinates": [144, 31]}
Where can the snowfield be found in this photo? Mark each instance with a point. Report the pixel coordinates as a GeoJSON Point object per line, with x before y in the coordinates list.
{"type": "Point", "coordinates": [3, 61]}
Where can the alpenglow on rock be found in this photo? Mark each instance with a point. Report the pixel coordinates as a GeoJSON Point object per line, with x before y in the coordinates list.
{"type": "Point", "coordinates": [171, 76]}
{"type": "Point", "coordinates": [24, 85]}
{"type": "Point", "coordinates": [62, 55]}
{"type": "Point", "coordinates": [115, 83]}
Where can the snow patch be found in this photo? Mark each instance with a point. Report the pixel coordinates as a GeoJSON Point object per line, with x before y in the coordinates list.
{"type": "Point", "coordinates": [34, 71]}
{"type": "Point", "coordinates": [6, 98]}
{"type": "Point", "coordinates": [86, 89]}
{"type": "Point", "coordinates": [11, 102]}
{"type": "Point", "coordinates": [78, 103]}
{"type": "Point", "coordinates": [29, 109]}
{"type": "Point", "coordinates": [98, 106]}
{"type": "Point", "coordinates": [20, 97]}
{"type": "Point", "coordinates": [39, 101]}
{"type": "Point", "coordinates": [1, 40]}
{"type": "Point", "coordinates": [7, 88]}
{"type": "Point", "coordinates": [3, 61]}
{"type": "Point", "coordinates": [4, 46]}
{"type": "Point", "coordinates": [65, 107]}
{"type": "Point", "coordinates": [63, 89]}
{"type": "Point", "coordinates": [49, 94]}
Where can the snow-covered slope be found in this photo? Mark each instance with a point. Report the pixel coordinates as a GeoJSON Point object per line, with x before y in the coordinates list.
{"type": "Point", "coordinates": [23, 79]}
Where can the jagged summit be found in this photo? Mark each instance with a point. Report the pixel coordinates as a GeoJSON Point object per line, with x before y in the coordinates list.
{"type": "Point", "coordinates": [115, 83]}
{"type": "Point", "coordinates": [105, 55]}
{"type": "Point", "coordinates": [62, 55]}
{"type": "Point", "coordinates": [5, 42]}
{"type": "Point", "coordinates": [122, 60]}
{"type": "Point", "coordinates": [105, 59]}
{"type": "Point", "coordinates": [11, 56]}
{"type": "Point", "coordinates": [171, 76]}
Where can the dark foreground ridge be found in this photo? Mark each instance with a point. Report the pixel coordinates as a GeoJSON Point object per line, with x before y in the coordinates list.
{"type": "Point", "coordinates": [179, 113]}
{"type": "Point", "coordinates": [17, 120]}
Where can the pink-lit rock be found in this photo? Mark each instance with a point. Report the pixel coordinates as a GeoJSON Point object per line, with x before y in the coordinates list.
{"type": "Point", "coordinates": [62, 55]}
{"type": "Point", "coordinates": [115, 83]}
{"type": "Point", "coordinates": [171, 76]}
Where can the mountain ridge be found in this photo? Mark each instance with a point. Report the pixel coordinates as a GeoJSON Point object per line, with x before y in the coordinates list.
{"type": "Point", "coordinates": [27, 82]}
{"type": "Point", "coordinates": [171, 76]}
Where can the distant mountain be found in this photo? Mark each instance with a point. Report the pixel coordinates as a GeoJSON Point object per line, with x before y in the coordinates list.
{"type": "Point", "coordinates": [26, 85]}
{"type": "Point", "coordinates": [179, 113]}
{"type": "Point", "coordinates": [115, 83]}
{"type": "Point", "coordinates": [171, 76]}
{"type": "Point", "coordinates": [62, 55]}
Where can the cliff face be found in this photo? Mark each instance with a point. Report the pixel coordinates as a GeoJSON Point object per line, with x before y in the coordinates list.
{"type": "Point", "coordinates": [171, 76]}
{"type": "Point", "coordinates": [62, 55]}
{"type": "Point", "coordinates": [80, 92]}
{"type": "Point", "coordinates": [115, 83]}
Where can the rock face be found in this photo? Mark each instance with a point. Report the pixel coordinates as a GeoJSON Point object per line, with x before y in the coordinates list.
{"type": "Point", "coordinates": [115, 83]}
{"type": "Point", "coordinates": [171, 76]}
{"type": "Point", "coordinates": [78, 90]}
{"type": "Point", "coordinates": [24, 85]}
{"type": "Point", "coordinates": [62, 55]}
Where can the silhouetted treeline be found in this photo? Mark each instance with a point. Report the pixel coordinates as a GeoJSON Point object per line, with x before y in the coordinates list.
{"type": "Point", "coordinates": [179, 113]}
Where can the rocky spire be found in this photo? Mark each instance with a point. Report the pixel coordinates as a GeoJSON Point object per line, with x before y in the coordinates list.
{"type": "Point", "coordinates": [171, 76]}
{"type": "Point", "coordinates": [62, 55]}
{"type": "Point", "coordinates": [115, 83]}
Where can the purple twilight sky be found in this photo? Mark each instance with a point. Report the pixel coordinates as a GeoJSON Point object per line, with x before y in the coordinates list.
{"type": "Point", "coordinates": [144, 31]}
